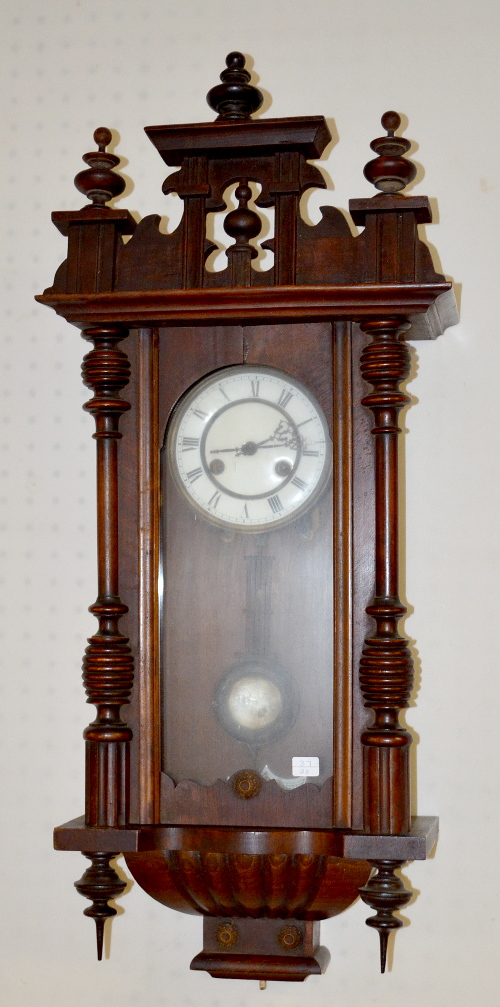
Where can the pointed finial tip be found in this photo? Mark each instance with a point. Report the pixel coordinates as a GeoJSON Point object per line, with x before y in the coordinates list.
{"type": "Point", "coordinates": [384, 940]}
{"type": "Point", "coordinates": [99, 926]}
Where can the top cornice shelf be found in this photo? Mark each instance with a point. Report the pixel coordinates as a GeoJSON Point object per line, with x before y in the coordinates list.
{"type": "Point", "coordinates": [307, 134]}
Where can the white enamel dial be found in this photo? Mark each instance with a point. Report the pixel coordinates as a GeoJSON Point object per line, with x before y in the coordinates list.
{"type": "Point", "coordinates": [249, 447]}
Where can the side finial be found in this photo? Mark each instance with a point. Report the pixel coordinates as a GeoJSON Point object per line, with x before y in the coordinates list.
{"type": "Point", "coordinates": [386, 893]}
{"type": "Point", "coordinates": [390, 171]}
{"type": "Point", "coordinates": [235, 98]}
{"type": "Point", "coordinates": [99, 182]}
{"type": "Point", "coordinates": [100, 883]}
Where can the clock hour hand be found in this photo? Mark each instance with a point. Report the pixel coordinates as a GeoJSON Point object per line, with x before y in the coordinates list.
{"type": "Point", "coordinates": [221, 451]}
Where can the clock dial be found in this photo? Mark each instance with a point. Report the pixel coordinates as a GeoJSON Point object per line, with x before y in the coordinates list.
{"type": "Point", "coordinates": [250, 448]}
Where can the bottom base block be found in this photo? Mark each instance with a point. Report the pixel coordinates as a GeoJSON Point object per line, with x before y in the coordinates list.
{"type": "Point", "coordinates": [264, 949]}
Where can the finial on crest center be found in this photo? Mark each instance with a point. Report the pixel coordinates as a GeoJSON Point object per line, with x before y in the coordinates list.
{"type": "Point", "coordinates": [235, 99]}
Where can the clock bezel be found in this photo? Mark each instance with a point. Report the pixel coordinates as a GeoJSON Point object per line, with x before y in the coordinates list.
{"type": "Point", "coordinates": [170, 443]}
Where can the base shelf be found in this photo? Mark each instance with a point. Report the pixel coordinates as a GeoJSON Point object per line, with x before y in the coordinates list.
{"type": "Point", "coordinates": [414, 845]}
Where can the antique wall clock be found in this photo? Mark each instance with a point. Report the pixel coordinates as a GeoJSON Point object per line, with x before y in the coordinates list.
{"type": "Point", "coordinates": [246, 756]}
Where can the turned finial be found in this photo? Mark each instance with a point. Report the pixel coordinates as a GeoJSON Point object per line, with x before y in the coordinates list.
{"type": "Point", "coordinates": [99, 182]}
{"type": "Point", "coordinates": [386, 893]}
{"type": "Point", "coordinates": [100, 883]}
{"type": "Point", "coordinates": [243, 224]}
{"type": "Point", "coordinates": [235, 98]}
{"type": "Point", "coordinates": [390, 171]}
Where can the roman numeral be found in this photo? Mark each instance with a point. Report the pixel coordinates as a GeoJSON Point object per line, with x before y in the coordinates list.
{"type": "Point", "coordinates": [299, 482]}
{"type": "Point", "coordinates": [245, 511]}
{"type": "Point", "coordinates": [275, 504]}
{"type": "Point", "coordinates": [224, 394]}
{"type": "Point", "coordinates": [311, 454]}
{"type": "Point", "coordinates": [284, 398]}
{"type": "Point", "coordinates": [194, 474]}
{"type": "Point", "coordinates": [303, 423]}
{"type": "Point", "coordinates": [200, 414]}
{"type": "Point", "coordinates": [214, 500]}
{"type": "Point", "coordinates": [255, 388]}
{"type": "Point", "coordinates": [190, 443]}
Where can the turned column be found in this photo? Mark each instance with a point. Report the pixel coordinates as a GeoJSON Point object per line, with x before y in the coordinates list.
{"type": "Point", "coordinates": [386, 668]}
{"type": "Point", "coordinates": [108, 664]}
{"type": "Point", "coordinates": [108, 669]}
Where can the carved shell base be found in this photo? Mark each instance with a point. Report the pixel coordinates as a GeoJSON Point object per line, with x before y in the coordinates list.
{"type": "Point", "coordinates": [273, 885]}
{"type": "Point", "coordinates": [260, 910]}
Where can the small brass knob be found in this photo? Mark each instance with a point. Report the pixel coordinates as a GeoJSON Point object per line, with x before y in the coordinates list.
{"type": "Point", "coordinates": [227, 935]}
{"type": "Point", "coordinates": [289, 937]}
{"type": "Point", "coordinates": [247, 784]}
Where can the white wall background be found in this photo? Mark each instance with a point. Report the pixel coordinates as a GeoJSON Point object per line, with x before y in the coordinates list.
{"type": "Point", "coordinates": [69, 66]}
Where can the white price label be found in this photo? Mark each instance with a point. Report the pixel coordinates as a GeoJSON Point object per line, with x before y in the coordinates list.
{"type": "Point", "coordinates": [305, 765]}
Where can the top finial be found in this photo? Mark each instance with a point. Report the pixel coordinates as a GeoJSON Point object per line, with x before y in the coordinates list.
{"type": "Point", "coordinates": [390, 171]}
{"type": "Point", "coordinates": [235, 98]}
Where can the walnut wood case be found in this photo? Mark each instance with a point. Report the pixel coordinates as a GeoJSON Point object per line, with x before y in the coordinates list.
{"type": "Point", "coordinates": [263, 864]}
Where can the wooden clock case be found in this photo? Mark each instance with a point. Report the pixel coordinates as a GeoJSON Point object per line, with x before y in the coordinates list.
{"type": "Point", "coordinates": [262, 864]}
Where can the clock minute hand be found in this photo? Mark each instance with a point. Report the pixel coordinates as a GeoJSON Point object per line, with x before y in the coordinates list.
{"type": "Point", "coordinates": [279, 430]}
{"type": "Point", "coordinates": [285, 439]}
{"type": "Point", "coordinates": [249, 448]}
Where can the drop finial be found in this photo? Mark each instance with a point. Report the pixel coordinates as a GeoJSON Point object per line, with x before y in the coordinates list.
{"type": "Point", "coordinates": [235, 99]}
{"type": "Point", "coordinates": [390, 171]}
{"type": "Point", "coordinates": [386, 893]}
{"type": "Point", "coordinates": [100, 883]}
